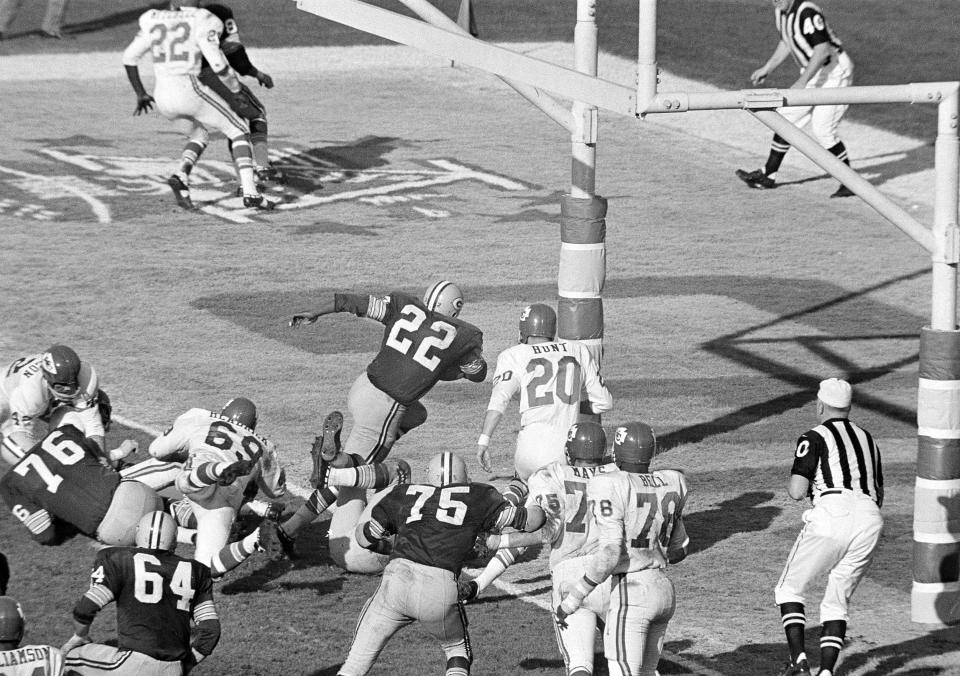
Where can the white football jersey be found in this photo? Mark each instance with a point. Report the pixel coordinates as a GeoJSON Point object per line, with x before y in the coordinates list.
{"type": "Point", "coordinates": [560, 490]}
{"type": "Point", "coordinates": [25, 397]}
{"type": "Point", "coordinates": [643, 513]}
{"type": "Point", "coordinates": [178, 39]}
{"type": "Point", "coordinates": [549, 378]}
{"type": "Point", "coordinates": [31, 660]}
{"type": "Point", "coordinates": [206, 436]}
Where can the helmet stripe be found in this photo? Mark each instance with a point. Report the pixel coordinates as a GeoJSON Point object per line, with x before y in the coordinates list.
{"type": "Point", "coordinates": [156, 530]}
{"type": "Point", "coordinates": [435, 294]}
{"type": "Point", "coordinates": [446, 469]}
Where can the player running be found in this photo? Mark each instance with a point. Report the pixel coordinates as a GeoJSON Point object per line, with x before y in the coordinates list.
{"type": "Point", "coordinates": [560, 491]}
{"type": "Point", "coordinates": [424, 342]}
{"type": "Point", "coordinates": [179, 39]}
{"type": "Point", "coordinates": [639, 516]}
{"type": "Point", "coordinates": [158, 594]}
{"type": "Point", "coordinates": [436, 525]}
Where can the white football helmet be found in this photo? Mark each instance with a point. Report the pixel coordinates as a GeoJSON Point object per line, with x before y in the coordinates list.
{"type": "Point", "coordinates": [445, 298]}
{"type": "Point", "coordinates": [157, 530]}
{"type": "Point", "coordinates": [447, 468]}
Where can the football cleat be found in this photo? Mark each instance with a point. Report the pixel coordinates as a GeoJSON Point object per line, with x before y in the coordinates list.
{"type": "Point", "coordinates": [258, 202]}
{"type": "Point", "coordinates": [402, 472]}
{"type": "Point", "coordinates": [330, 435]}
{"type": "Point", "coordinates": [288, 544]}
{"type": "Point", "coordinates": [271, 174]}
{"type": "Point", "coordinates": [801, 668]}
{"type": "Point", "coordinates": [756, 179]}
{"type": "Point", "coordinates": [274, 512]}
{"type": "Point", "coordinates": [234, 471]}
{"type": "Point", "coordinates": [467, 591]}
{"type": "Point", "coordinates": [181, 192]}
{"type": "Point", "coordinates": [268, 540]}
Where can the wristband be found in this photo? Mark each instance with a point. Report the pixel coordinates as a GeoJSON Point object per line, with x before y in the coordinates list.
{"type": "Point", "coordinates": [483, 440]}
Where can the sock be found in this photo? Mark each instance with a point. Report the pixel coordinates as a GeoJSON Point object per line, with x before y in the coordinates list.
{"type": "Point", "coordinates": [243, 160]}
{"type": "Point", "coordinates": [831, 642]}
{"type": "Point", "coordinates": [494, 569]}
{"type": "Point", "coordinates": [316, 504]}
{"type": "Point", "coordinates": [376, 475]}
{"type": "Point", "coordinates": [516, 492]}
{"type": "Point", "coordinates": [794, 626]}
{"type": "Point", "coordinates": [186, 536]}
{"type": "Point", "coordinates": [234, 554]}
{"type": "Point", "coordinates": [258, 137]}
{"type": "Point", "coordinates": [778, 149]}
{"type": "Point", "coordinates": [840, 151]}
{"type": "Point", "coordinates": [191, 154]}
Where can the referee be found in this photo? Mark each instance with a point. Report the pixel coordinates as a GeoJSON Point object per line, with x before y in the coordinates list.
{"type": "Point", "coordinates": [837, 464]}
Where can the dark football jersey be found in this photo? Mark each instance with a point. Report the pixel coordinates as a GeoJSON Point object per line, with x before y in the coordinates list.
{"type": "Point", "coordinates": [62, 475]}
{"type": "Point", "coordinates": [438, 526]}
{"type": "Point", "coordinates": [418, 347]}
{"type": "Point", "coordinates": [156, 592]}
{"type": "Point", "coordinates": [230, 43]}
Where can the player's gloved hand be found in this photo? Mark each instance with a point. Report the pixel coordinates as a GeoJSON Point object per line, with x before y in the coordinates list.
{"type": "Point", "coordinates": [74, 642]}
{"type": "Point", "coordinates": [234, 471]}
{"type": "Point", "coordinates": [264, 79]}
{"type": "Point", "coordinates": [144, 104]}
{"type": "Point", "coordinates": [302, 318]}
{"type": "Point", "coordinates": [483, 457]}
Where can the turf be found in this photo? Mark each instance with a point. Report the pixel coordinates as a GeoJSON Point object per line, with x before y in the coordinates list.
{"type": "Point", "coordinates": [715, 41]}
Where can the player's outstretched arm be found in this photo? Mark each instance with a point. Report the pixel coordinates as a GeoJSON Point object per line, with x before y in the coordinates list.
{"type": "Point", "coordinates": [779, 55]}
{"type": "Point", "coordinates": [304, 318]}
{"type": "Point", "coordinates": [490, 422]}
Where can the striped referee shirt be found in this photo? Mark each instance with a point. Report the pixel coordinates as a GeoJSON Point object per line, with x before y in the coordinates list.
{"type": "Point", "coordinates": [839, 454]}
{"type": "Point", "coordinates": [802, 27]}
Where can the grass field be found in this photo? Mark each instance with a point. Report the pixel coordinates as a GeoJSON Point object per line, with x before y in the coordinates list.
{"type": "Point", "coordinates": [723, 308]}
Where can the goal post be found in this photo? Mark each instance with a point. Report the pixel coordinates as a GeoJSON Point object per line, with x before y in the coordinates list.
{"type": "Point", "coordinates": [935, 597]}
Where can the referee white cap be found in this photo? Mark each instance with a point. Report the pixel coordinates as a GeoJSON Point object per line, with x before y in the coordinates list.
{"type": "Point", "coordinates": [835, 392]}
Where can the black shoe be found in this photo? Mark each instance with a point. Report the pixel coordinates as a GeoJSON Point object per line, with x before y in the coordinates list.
{"type": "Point", "coordinates": [801, 668]}
{"type": "Point", "coordinates": [756, 179]}
{"type": "Point", "coordinates": [258, 202]}
{"type": "Point", "coordinates": [403, 472]}
{"type": "Point", "coordinates": [843, 191]}
{"type": "Point", "coordinates": [274, 512]}
{"type": "Point", "coordinates": [271, 175]}
{"type": "Point", "coordinates": [325, 448]}
{"type": "Point", "coordinates": [287, 542]}
{"type": "Point", "coordinates": [181, 192]}
{"type": "Point", "coordinates": [467, 591]}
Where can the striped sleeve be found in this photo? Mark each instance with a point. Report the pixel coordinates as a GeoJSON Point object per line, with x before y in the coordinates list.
{"type": "Point", "coordinates": [205, 611]}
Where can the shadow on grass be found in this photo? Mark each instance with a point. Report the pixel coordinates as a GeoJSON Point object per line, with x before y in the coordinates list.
{"type": "Point", "coordinates": [742, 514]}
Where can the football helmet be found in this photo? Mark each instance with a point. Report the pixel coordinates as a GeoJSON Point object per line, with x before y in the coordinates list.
{"type": "Point", "coordinates": [241, 411]}
{"type": "Point", "coordinates": [538, 320]}
{"type": "Point", "coordinates": [445, 298]}
{"type": "Point", "coordinates": [634, 446]}
{"type": "Point", "coordinates": [11, 620]}
{"type": "Point", "coordinates": [447, 468]}
{"type": "Point", "coordinates": [61, 370]}
{"type": "Point", "coordinates": [586, 441]}
{"type": "Point", "coordinates": [157, 530]}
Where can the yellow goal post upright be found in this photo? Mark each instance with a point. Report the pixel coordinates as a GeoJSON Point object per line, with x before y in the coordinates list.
{"type": "Point", "coordinates": [935, 597]}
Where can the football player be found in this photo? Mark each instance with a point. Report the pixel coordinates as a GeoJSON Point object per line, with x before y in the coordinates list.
{"type": "Point", "coordinates": [157, 594]}
{"type": "Point", "coordinates": [34, 387]}
{"type": "Point", "coordinates": [639, 517]}
{"type": "Point", "coordinates": [560, 491]}
{"type": "Point", "coordinates": [434, 527]}
{"type": "Point", "coordinates": [60, 485]}
{"type": "Point", "coordinates": [222, 454]}
{"type": "Point", "coordinates": [254, 112]}
{"type": "Point", "coordinates": [179, 39]}
{"type": "Point", "coordinates": [424, 342]}
{"type": "Point", "coordinates": [28, 660]}
{"type": "Point", "coordinates": [548, 376]}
